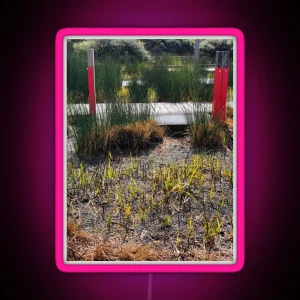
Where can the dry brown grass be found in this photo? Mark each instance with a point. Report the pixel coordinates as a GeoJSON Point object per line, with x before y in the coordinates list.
{"type": "Point", "coordinates": [207, 135]}
{"type": "Point", "coordinates": [87, 247]}
{"type": "Point", "coordinates": [229, 118]}
{"type": "Point", "coordinates": [80, 243]}
{"type": "Point", "coordinates": [229, 123]}
{"type": "Point", "coordinates": [137, 136]}
{"type": "Point", "coordinates": [196, 254]}
{"type": "Point", "coordinates": [74, 231]}
{"type": "Point", "coordinates": [83, 246]}
{"type": "Point", "coordinates": [127, 252]}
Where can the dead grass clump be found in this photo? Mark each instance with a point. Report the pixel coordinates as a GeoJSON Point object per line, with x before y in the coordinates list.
{"type": "Point", "coordinates": [137, 136]}
{"type": "Point", "coordinates": [79, 243]}
{"type": "Point", "coordinates": [196, 254]}
{"type": "Point", "coordinates": [74, 232]}
{"type": "Point", "coordinates": [132, 252]}
{"type": "Point", "coordinates": [128, 252]}
{"type": "Point", "coordinates": [229, 123]}
{"type": "Point", "coordinates": [229, 118]}
{"type": "Point", "coordinates": [71, 229]}
{"type": "Point", "coordinates": [207, 135]}
{"type": "Point", "coordinates": [104, 252]}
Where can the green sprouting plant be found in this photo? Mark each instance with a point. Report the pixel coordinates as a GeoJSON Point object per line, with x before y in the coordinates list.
{"type": "Point", "coordinates": [167, 221]}
{"type": "Point", "coordinates": [132, 190]}
{"type": "Point", "coordinates": [97, 189]}
{"type": "Point", "coordinates": [183, 169]}
{"type": "Point", "coordinates": [126, 216]}
{"type": "Point", "coordinates": [110, 172]}
{"type": "Point", "coordinates": [190, 224]}
{"type": "Point", "coordinates": [108, 222]}
{"type": "Point", "coordinates": [150, 161]}
{"type": "Point", "coordinates": [83, 177]}
{"type": "Point", "coordinates": [211, 193]}
{"type": "Point", "coordinates": [72, 176]}
{"type": "Point", "coordinates": [119, 199]}
{"type": "Point", "coordinates": [104, 177]}
{"type": "Point", "coordinates": [127, 170]}
{"type": "Point", "coordinates": [152, 202]}
{"type": "Point", "coordinates": [177, 241]}
{"type": "Point", "coordinates": [108, 193]}
{"type": "Point", "coordinates": [222, 202]}
{"type": "Point", "coordinates": [168, 182]}
{"type": "Point", "coordinates": [143, 215]}
{"type": "Point", "coordinates": [153, 186]}
{"type": "Point", "coordinates": [192, 174]}
{"type": "Point", "coordinates": [229, 175]}
{"type": "Point", "coordinates": [211, 229]}
{"type": "Point", "coordinates": [127, 210]}
{"type": "Point", "coordinates": [218, 166]}
{"type": "Point", "coordinates": [191, 232]}
{"type": "Point", "coordinates": [200, 188]}
{"type": "Point", "coordinates": [135, 184]}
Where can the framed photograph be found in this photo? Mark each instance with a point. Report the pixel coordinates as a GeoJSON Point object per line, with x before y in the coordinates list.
{"type": "Point", "coordinates": [150, 150]}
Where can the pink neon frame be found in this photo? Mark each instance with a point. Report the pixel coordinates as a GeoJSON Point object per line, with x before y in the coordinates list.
{"type": "Point", "coordinates": [59, 151]}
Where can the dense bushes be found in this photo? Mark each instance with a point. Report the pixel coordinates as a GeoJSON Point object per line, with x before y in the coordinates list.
{"type": "Point", "coordinates": [116, 48]}
{"type": "Point", "coordinates": [173, 46]}
{"type": "Point", "coordinates": [208, 48]}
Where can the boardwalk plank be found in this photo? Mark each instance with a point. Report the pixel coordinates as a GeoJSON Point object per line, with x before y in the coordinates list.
{"type": "Point", "coordinates": [163, 113]}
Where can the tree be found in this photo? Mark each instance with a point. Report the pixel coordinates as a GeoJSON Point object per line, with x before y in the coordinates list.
{"type": "Point", "coordinates": [116, 48]}
{"type": "Point", "coordinates": [208, 48]}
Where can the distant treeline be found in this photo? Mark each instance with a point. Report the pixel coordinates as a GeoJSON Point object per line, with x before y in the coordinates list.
{"type": "Point", "coordinates": [143, 49]}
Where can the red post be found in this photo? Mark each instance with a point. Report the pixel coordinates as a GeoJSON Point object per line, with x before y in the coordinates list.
{"type": "Point", "coordinates": [220, 85]}
{"type": "Point", "coordinates": [91, 81]}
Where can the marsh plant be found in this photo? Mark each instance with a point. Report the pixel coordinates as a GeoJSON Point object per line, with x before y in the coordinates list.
{"type": "Point", "coordinates": [138, 91]}
{"type": "Point", "coordinates": [171, 79]}
{"type": "Point", "coordinates": [177, 83]}
{"type": "Point", "coordinates": [77, 77]}
{"type": "Point", "coordinates": [204, 132]}
{"type": "Point", "coordinates": [108, 79]}
{"type": "Point", "coordinates": [116, 126]}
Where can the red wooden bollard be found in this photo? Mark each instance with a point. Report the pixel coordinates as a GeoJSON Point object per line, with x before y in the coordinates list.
{"type": "Point", "coordinates": [220, 86]}
{"type": "Point", "coordinates": [91, 81]}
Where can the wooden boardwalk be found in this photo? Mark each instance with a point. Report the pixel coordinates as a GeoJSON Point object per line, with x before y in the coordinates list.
{"type": "Point", "coordinates": [163, 113]}
{"type": "Point", "coordinates": [126, 83]}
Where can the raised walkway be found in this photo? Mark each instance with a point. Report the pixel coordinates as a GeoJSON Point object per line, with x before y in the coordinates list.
{"type": "Point", "coordinates": [163, 113]}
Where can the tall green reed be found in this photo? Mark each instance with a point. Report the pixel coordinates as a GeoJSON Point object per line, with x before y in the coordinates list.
{"type": "Point", "coordinates": [77, 77]}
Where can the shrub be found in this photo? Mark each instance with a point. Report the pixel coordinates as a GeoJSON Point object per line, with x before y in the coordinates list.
{"type": "Point", "coordinates": [137, 136]}
{"type": "Point", "coordinates": [174, 46]}
{"type": "Point", "coordinates": [117, 126]}
{"type": "Point", "coordinates": [208, 48]}
{"type": "Point", "coordinates": [116, 48]}
{"type": "Point", "coordinates": [207, 135]}
{"type": "Point", "coordinates": [204, 133]}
